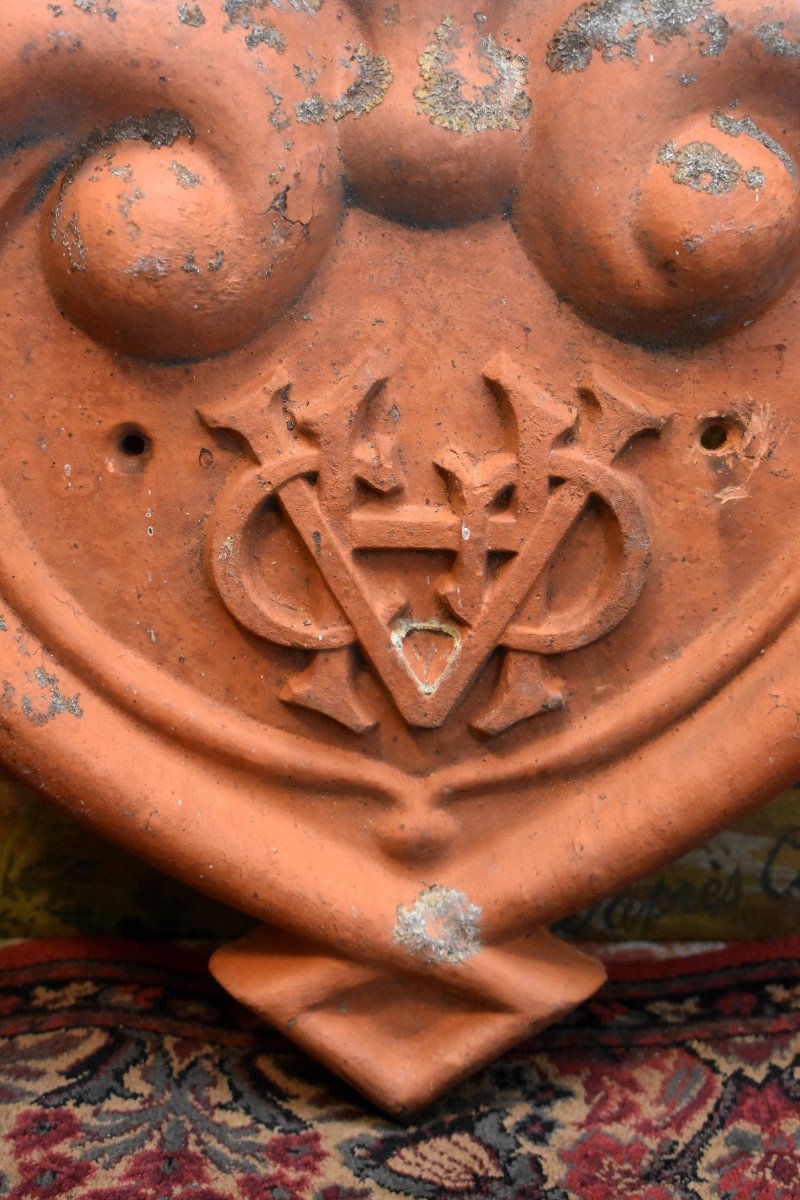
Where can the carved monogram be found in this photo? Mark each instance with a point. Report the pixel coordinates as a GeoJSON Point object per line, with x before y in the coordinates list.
{"type": "Point", "coordinates": [410, 262]}
{"type": "Point", "coordinates": [509, 513]}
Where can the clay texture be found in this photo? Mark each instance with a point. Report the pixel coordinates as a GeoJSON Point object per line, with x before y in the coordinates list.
{"type": "Point", "coordinates": [399, 475]}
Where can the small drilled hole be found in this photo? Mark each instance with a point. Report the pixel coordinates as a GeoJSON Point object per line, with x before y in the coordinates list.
{"type": "Point", "coordinates": [133, 443]}
{"type": "Point", "coordinates": [714, 436]}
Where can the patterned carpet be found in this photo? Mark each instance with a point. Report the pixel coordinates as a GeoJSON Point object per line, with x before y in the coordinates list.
{"type": "Point", "coordinates": [125, 1072]}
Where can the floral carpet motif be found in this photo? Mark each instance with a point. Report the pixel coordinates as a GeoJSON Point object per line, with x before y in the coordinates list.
{"type": "Point", "coordinates": [125, 1072]}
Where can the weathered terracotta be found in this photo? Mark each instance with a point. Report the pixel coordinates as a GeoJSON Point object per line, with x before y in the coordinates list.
{"type": "Point", "coordinates": [400, 475]}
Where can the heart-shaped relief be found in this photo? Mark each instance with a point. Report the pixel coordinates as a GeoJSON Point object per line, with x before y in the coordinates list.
{"type": "Point", "coordinates": [399, 475]}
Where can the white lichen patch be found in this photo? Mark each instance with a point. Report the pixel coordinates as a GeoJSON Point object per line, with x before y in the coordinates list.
{"type": "Point", "coordinates": [440, 927]}
{"type": "Point", "coordinates": [226, 549]}
{"type": "Point", "coordinates": [56, 703]}
{"type": "Point", "coordinates": [450, 103]}
{"type": "Point", "coordinates": [185, 178]}
{"type": "Point", "coordinates": [368, 91]}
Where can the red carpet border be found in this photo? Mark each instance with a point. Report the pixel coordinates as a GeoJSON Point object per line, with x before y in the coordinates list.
{"type": "Point", "coordinates": [126, 1073]}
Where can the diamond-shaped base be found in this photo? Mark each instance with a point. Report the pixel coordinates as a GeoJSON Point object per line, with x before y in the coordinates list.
{"type": "Point", "coordinates": [403, 1039]}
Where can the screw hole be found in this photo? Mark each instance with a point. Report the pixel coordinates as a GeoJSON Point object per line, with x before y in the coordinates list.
{"type": "Point", "coordinates": [129, 449]}
{"type": "Point", "coordinates": [133, 443]}
{"type": "Point", "coordinates": [714, 436]}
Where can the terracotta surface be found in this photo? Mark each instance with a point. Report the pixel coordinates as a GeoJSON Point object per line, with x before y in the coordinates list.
{"type": "Point", "coordinates": [399, 474]}
{"type": "Point", "coordinates": [57, 877]}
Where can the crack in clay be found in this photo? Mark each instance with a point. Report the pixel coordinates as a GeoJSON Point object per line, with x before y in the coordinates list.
{"type": "Point", "coordinates": [59, 704]}
{"type": "Point", "coordinates": [279, 206]}
{"type": "Point", "coordinates": [703, 167]}
{"type": "Point", "coordinates": [736, 126]}
{"type": "Point", "coordinates": [502, 103]}
{"type": "Point", "coordinates": [614, 28]}
{"type": "Point", "coordinates": [440, 927]}
{"type": "Point", "coordinates": [368, 90]}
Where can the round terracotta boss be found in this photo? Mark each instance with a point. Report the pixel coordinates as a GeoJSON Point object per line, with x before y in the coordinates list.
{"type": "Point", "coordinates": [152, 251]}
{"type": "Point", "coordinates": [718, 222]}
{"type": "Point", "coordinates": [439, 143]}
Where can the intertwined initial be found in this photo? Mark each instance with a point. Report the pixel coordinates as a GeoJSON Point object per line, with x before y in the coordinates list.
{"type": "Point", "coordinates": [507, 517]}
